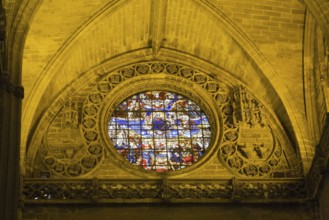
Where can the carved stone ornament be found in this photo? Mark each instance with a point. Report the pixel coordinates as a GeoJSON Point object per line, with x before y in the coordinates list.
{"type": "Point", "coordinates": [241, 127]}
{"type": "Point", "coordinates": [249, 147]}
{"type": "Point", "coordinates": [132, 191]}
{"type": "Point", "coordinates": [63, 149]}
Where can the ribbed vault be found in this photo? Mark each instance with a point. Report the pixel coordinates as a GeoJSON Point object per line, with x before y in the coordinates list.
{"type": "Point", "coordinates": [108, 35]}
{"type": "Point", "coordinates": [257, 69]}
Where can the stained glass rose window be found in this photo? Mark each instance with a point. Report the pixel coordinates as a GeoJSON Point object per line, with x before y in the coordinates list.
{"type": "Point", "coordinates": [159, 131]}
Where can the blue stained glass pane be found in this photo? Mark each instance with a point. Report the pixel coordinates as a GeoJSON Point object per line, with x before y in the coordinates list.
{"type": "Point", "coordinates": [172, 133]}
{"type": "Point", "coordinates": [135, 126]}
{"type": "Point", "coordinates": [205, 120]}
{"type": "Point", "coordinates": [159, 131]}
{"type": "Point", "coordinates": [135, 157]}
{"type": "Point", "coordinates": [196, 133]}
{"type": "Point", "coordinates": [194, 123]}
{"type": "Point", "coordinates": [146, 133]}
{"type": "Point", "coordinates": [120, 121]}
{"type": "Point", "coordinates": [135, 122]}
{"type": "Point", "coordinates": [192, 106]}
{"type": "Point", "coordinates": [175, 159]}
{"type": "Point", "coordinates": [159, 122]}
{"type": "Point", "coordinates": [184, 133]}
{"type": "Point", "coordinates": [122, 106]}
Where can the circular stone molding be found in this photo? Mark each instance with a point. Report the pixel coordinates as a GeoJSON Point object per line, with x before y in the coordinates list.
{"type": "Point", "coordinates": [164, 83]}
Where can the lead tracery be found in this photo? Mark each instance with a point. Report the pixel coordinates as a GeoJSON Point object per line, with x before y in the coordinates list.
{"type": "Point", "coordinates": [160, 131]}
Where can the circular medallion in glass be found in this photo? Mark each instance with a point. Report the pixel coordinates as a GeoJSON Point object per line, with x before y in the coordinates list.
{"type": "Point", "coordinates": [159, 131]}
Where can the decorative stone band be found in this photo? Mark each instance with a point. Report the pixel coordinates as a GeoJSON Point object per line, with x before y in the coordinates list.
{"type": "Point", "coordinates": [16, 90]}
{"type": "Point", "coordinates": [45, 191]}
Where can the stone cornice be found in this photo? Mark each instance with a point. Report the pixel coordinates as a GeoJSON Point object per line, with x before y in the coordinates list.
{"type": "Point", "coordinates": [55, 191]}
{"type": "Point", "coordinates": [69, 191]}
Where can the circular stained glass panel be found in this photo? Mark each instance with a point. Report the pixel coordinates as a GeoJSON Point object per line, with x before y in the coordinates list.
{"type": "Point", "coordinates": [159, 131]}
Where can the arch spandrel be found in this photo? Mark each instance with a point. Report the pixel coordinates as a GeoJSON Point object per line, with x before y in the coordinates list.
{"type": "Point", "coordinates": [84, 119]}
{"type": "Point", "coordinates": [241, 59]}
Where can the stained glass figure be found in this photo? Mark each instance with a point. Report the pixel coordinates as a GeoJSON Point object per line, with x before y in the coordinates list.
{"type": "Point", "coordinates": [160, 131]}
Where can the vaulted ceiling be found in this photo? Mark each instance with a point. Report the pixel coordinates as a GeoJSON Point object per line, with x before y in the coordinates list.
{"type": "Point", "coordinates": [258, 44]}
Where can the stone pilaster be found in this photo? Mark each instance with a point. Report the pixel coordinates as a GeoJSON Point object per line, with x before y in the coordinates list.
{"type": "Point", "coordinates": [10, 110]}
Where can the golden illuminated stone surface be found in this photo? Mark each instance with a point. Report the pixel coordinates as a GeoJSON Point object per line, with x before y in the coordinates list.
{"type": "Point", "coordinates": [271, 49]}
{"type": "Point", "coordinates": [126, 28]}
{"type": "Point", "coordinates": [260, 44]}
